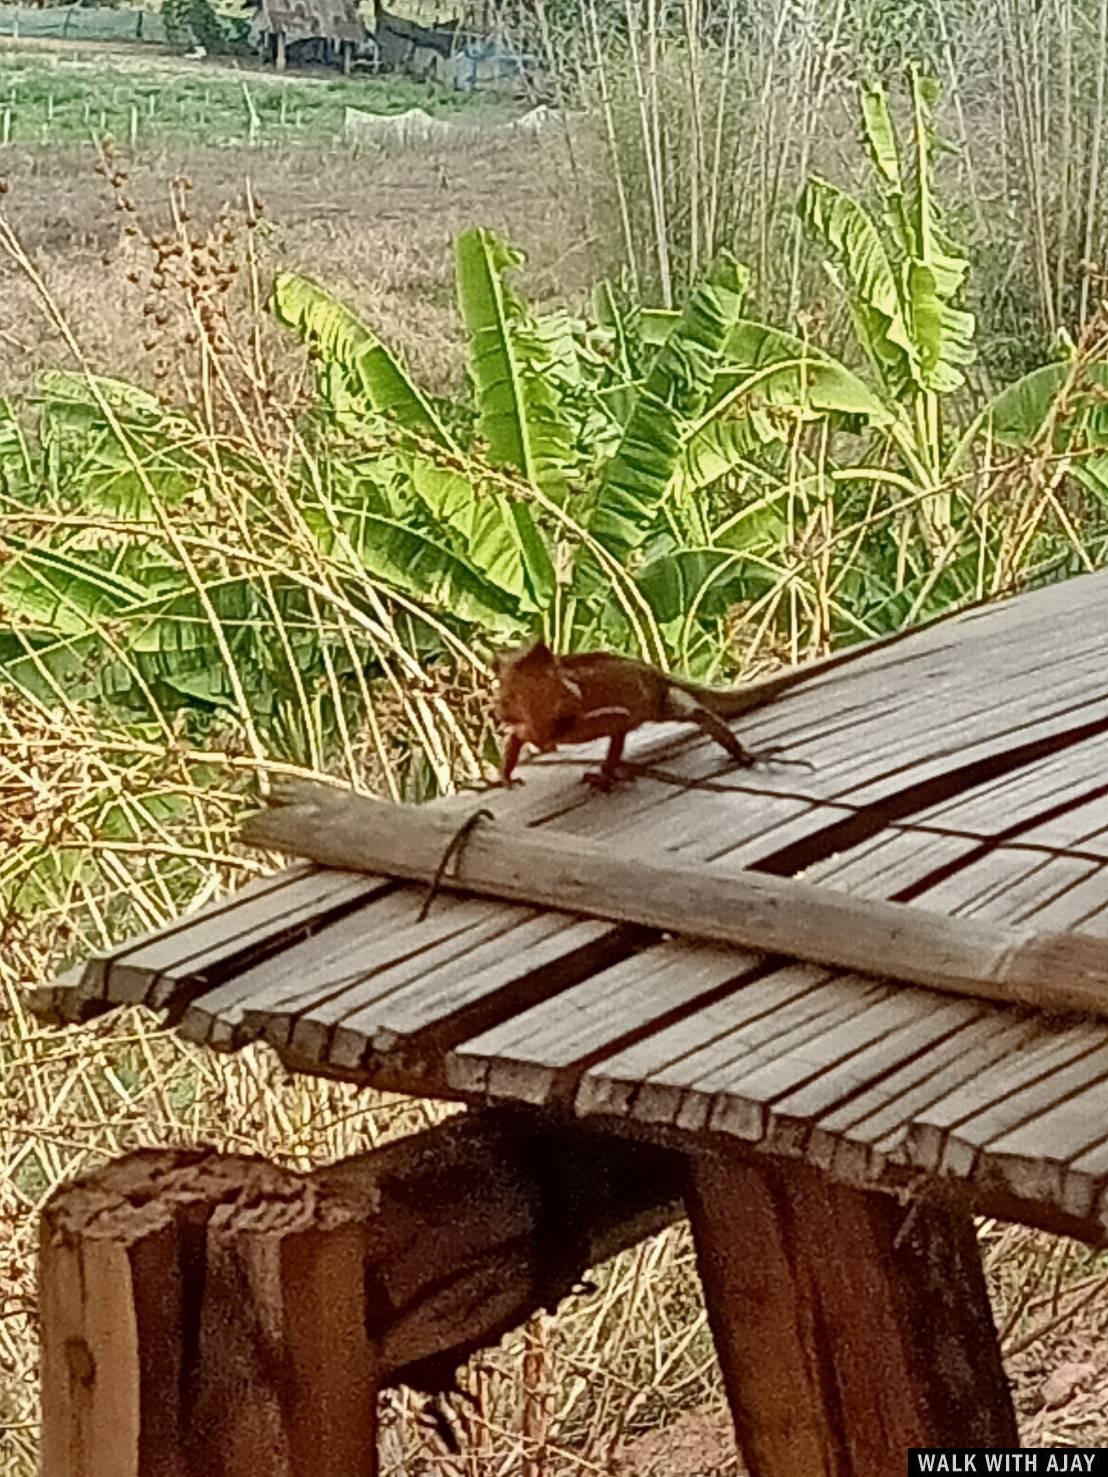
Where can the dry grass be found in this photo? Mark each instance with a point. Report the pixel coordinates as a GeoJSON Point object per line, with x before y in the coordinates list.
{"type": "Point", "coordinates": [615, 1365]}
{"type": "Point", "coordinates": [382, 228]}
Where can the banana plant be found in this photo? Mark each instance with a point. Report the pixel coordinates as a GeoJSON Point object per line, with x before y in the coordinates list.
{"type": "Point", "coordinates": [631, 476]}
{"type": "Point", "coordinates": [580, 456]}
{"type": "Point", "coordinates": [903, 284]}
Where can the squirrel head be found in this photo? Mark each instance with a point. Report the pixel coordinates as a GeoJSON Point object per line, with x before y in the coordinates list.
{"type": "Point", "coordinates": [535, 699]}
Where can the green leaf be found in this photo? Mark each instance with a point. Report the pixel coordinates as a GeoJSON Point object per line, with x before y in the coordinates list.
{"type": "Point", "coordinates": [15, 452]}
{"type": "Point", "coordinates": [513, 370]}
{"type": "Point", "coordinates": [858, 253]}
{"type": "Point", "coordinates": [79, 389]}
{"type": "Point", "coordinates": [880, 136]}
{"type": "Point", "coordinates": [112, 461]}
{"type": "Point", "coordinates": [669, 407]}
{"type": "Point", "coordinates": [497, 534]}
{"type": "Point", "coordinates": [901, 291]}
{"type": "Point", "coordinates": [416, 561]}
{"type": "Point", "coordinates": [726, 447]}
{"type": "Point", "coordinates": [707, 581]}
{"type": "Point", "coordinates": [1023, 410]}
{"type": "Point", "coordinates": [785, 370]}
{"type": "Point", "coordinates": [52, 591]}
{"type": "Point", "coordinates": [363, 379]}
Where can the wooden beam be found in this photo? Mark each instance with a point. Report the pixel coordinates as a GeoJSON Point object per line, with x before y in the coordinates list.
{"type": "Point", "coordinates": [1065, 972]}
{"type": "Point", "coordinates": [198, 1309]}
{"type": "Point", "coordinates": [848, 1327]}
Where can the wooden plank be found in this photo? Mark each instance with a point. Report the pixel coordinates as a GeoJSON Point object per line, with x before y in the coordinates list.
{"type": "Point", "coordinates": [343, 960]}
{"type": "Point", "coordinates": [321, 961]}
{"type": "Point", "coordinates": [745, 1097]}
{"type": "Point", "coordinates": [890, 1114]}
{"type": "Point", "coordinates": [525, 1057]}
{"type": "Point", "coordinates": [805, 828]}
{"type": "Point", "coordinates": [937, 733]}
{"type": "Point", "coordinates": [307, 1022]}
{"type": "Point", "coordinates": [807, 921]}
{"type": "Point", "coordinates": [790, 1115]}
{"type": "Point", "coordinates": [1091, 1167]}
{"type": "Point", "coordinates": [891, 861]}
{"type": "Point", "coordinates": [637, 1074]}
{"type": "Point", "coordinates": [217, 937]}
{"type": "Point", "coordinates": [1009, 886]}
{"type": "Point", "coordinates": [946, 1135]}
{"type": "Point", "coordinates": [772, 1090]}
{"type": "Point", "coordinates": [999, 804]}
{"type": "Point", "coordinates": [860, 1135]}
{"type": "Point", "coordinates": [420, 1019]}
{"type": "Point", "coordinates": [1034, 1157]}
{"type": "Point", "coordinates": [845, 1332]}
{"type": "Point", "coordinates": [1012, 884]}
{"type": "Point", "coordinates": [791, 1118]}
{"type": "Point", "coordinates": [675, 1072]}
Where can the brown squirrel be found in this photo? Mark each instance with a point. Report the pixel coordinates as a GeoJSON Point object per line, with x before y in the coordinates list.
{"type": "Point", "coordinates": [547, 700]}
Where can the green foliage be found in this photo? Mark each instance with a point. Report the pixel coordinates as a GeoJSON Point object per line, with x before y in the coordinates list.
{"type": "Point", "coordinates": [359, 377]}
{"type": "Point", "coordinates": [902, 284]}
{"type": "Point", "coordinates": [513, 368]}
{"type": "Point", "coordinates": [677, 483]}
{"type": "Point", "coordinates": [192, 23]}
{"type": "Point", "coordinates": [671, 403]}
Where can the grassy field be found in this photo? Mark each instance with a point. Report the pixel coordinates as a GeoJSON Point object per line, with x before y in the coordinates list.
{"type": "Point", "coordinates": [380, 225]}
{"type": "Point", "coordinates": [145, 98]}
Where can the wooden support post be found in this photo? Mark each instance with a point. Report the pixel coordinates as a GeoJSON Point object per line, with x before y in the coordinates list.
{"type": "Point", "coordinates": [848, 1327]}
{"type": "Point", "coordinates": [279, 52]}
{"type": "Point", "coordinates": [347, 57]}
{"type": "Point", "coordinates": [209, 1313]}
{"type": "Point", "coordinates": [199, 1311]}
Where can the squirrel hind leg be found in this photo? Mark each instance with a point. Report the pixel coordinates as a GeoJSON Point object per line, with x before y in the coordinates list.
{"type": "Point", "coordinates": [684, 708]}
{"type": "Point", "coordinates": [716, 728]}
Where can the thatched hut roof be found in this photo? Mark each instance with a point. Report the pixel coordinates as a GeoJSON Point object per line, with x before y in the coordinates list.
{"type": "Point", "coordinates": [301, 20]}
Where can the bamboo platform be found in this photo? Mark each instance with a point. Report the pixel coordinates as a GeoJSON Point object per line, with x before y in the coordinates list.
{"type": "Point", "coordinates": [962, 772]}
{"type": "Point", "coordinates": [965, 771]}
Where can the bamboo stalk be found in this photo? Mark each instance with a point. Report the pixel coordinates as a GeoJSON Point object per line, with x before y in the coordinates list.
{"type": "Point", "coordinates": [1092, 200]}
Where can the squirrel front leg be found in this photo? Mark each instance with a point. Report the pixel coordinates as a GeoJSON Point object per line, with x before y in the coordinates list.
{"type": "Point", "coordinates": [607, 776]}
{"type": "Point", "coordinates": [512, 750]}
